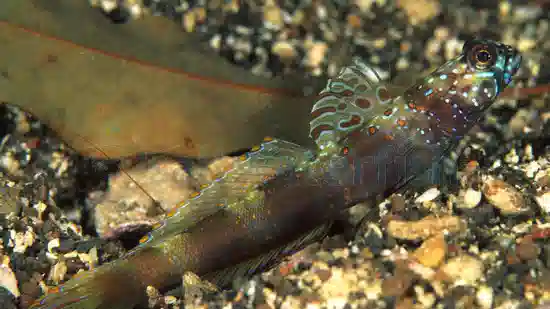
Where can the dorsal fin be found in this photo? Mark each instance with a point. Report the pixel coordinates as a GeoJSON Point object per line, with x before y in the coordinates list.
{"type": "Point", "coordinates": [346, 104]}
{"type": "Point", "coordinates": [237, 185]}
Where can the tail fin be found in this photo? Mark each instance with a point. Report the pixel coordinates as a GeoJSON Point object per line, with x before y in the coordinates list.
{"type": "Point", "coordinates": [115, 285]}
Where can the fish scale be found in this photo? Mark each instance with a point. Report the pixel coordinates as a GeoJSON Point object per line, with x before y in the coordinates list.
{"type": "Point", "coordinates": [281, 196]}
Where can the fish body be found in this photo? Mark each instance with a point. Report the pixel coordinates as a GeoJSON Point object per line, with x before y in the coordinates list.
{"type": "Point", "coordinates": [280, 197]}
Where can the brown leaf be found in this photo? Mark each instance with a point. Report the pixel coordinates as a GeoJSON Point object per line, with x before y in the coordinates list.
{"type": "Point", "coordinates": [141, 87]}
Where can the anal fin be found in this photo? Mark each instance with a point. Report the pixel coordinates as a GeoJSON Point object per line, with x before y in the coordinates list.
{"type": "Point", "coordinates": [223, 278]}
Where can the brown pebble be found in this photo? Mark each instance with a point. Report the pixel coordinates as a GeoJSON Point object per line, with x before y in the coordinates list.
{"type": "Point", "coordinates": [396, 285]}
{"type": "Point", "coordinates": [31, 289]}
{"type": "Point", "coordinates": [405, 303]}
{"type": "Point", "coordinates": [354, 21]}
{"type": "Point", "coordinates": [512, 259]}
{"type": "Point", "coordinates": [25, 301]}
{"type": "Point", "coordinates": [397, 203]}
{"type": "Point", "coordinates": [323, 274]}
{"type": "Point", "coordinates": [74, 265]}
{"type": "Point", "coordinates": [544, 181]}
{"type": "Point", "coordinates": [527, 250]}
{"type": "Point", "coordinates": [426, 227]}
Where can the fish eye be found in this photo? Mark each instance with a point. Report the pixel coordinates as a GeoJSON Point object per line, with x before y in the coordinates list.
{"type": "Point", "coordinates": [482, 56]}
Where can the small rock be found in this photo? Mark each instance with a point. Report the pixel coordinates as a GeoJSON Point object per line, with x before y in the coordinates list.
{"type": "Point", "coordinates": [22, 240]}
{"type": "Point", "coordinates": [527, 250]}
{"type": "Point", "coordinates": [503, 196]}
{"type": "Point", "coordinates": [273, 16]}
{"type": "Point", "coordinates": [397, 285]}
{"type": "Point", "coordinates": [9, 199]}
{"type": "Point", "coordinates": [428, 196]}
{"type": "Point", "coordinates": [420, 11]}
{"type": "Point", "coordinates": [426, 227]}
{"type": "Point", "coordinates": [8, 280]}
{"type": "Point", "coordinates": [471, 198]}
{"type": "Point", "coordinates": [485, 297]}
{"type": "Point", "coordinates": [432, 251]}
{"type": "Point", "coordinates": [126, 206]}
{"type": "Point", "coordinates": [316, 54]}
{"type": "Point", "coordinates": [464, 268]}
{"type": "Point", "coordinates": [397, 203]}
{"type": "Point", "coordinates": [58, 272]}
{"type": "Point", "coordinates": [284, 50]}
{"type": "Point", "coordinates": [543, 200]}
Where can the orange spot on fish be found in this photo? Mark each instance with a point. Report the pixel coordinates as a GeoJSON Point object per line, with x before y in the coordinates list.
{"type": "Point", "coordinates": [372, 130]}
{"type": "Point", "coordinates": [345, 151]}
{"type": "Point", "coordinates": [472, 165]}
{"type": "Point", "coordinates": [255, 148]}
{"type": "Point", "coordinates": [195, 194]}
{"type": "Point", "coordinates": [268, 139]}
{"type": "Point", "coordinates": [144, 239]}
{"type": "Point", "coordinates": [355, 120]}
{"type": "Point", "coordinates": [172, 212]}
{"type": "Point", "coordinates": [402, 122]}
{"type": "Point", "coordinates": [388, 112]}
{"type": "Point", "coordinates": [411, 105]}
{"type": "Point", "coordinates": [388, 137]}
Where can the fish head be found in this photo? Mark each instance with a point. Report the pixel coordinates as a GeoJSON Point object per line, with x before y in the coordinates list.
{"type": "Point", "coordinates": [461, 90]}
{"type": "Point", "coordinates": [487, 67]}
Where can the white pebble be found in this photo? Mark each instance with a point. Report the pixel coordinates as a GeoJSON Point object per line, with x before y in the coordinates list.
{"type": "Point", "coordinates": [54, 243]}
{"type": "Point", "coordinates": [526, 44]}
{"type": "Point", "coordinates": [484, 297]}
{"type": "Point", "coordinates": [284, 49]}
{"type": "Point", "coordinates": [316, 54]}
{"type": "Point", "coordinates": [402, 63]}
{"type": "Point", "coordinates": [511, 157]}
{"type": "Point", "coordinates": [464, 269]}
{"type": "Point", "coordinates": [544, 201]}
{"type": "Point", "coordinates": [472, 198]}
{"type": "Point", "coordinates": [58, 272]}
{"type": "Point", "coordinates": [108, 5]}
{"type": "Point", "coordinates": [531, 169]}
{"type": "Point", "coordinates": [8, 280]}
{"type": "Point", "coordinates": [428, 196]}
{"type": "Point", "coordinates": [136, 10]}
{"type": "Point", "coordinates": [21, 241]}
{"type": "Point", "coordinates": [216, 42]}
